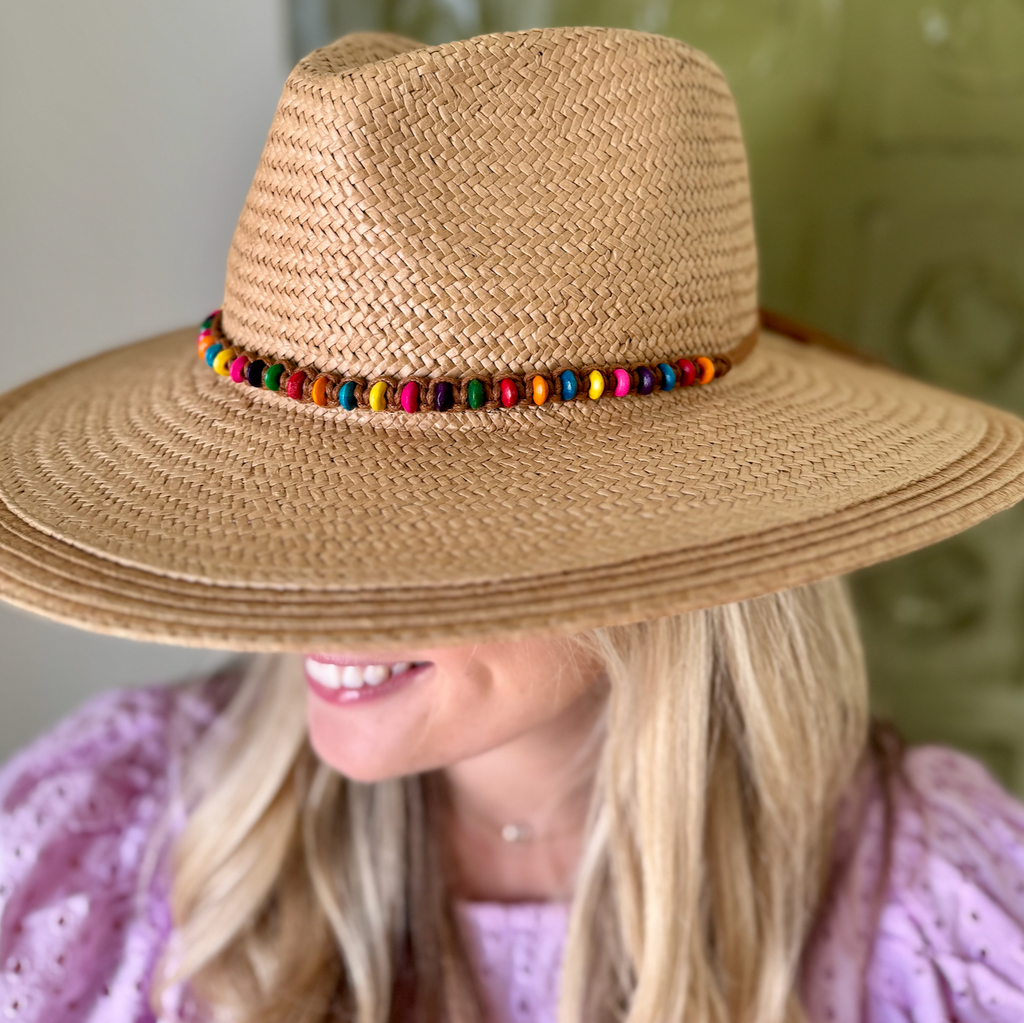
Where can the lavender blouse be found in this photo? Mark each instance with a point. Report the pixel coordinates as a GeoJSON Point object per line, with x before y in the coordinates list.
{"type": "Point", "coordinates": [84, 919]}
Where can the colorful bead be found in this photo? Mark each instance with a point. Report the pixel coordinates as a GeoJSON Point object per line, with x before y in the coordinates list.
{"type": "Point", "coordinates": [645, 380]}
{"type": "Point", "coordinates": [254, 373]}
{"type": "Point", "coordinates": [596, 388]}
{"type": "Point", "coordinates": [622, 382]}
{"type": "Point", "coordinates": [272, 377]}
{"type": "Point", "coordinates": [570, 385]}
{"type": "Point", "coordinates": [208, 322]}
{"type": "Point", "coordinates": [509, 392]}
{"type": "Point", "coordinates": [212, 352]}
{"type": "Point", "coordinates": [476, 394]}
{"type": "Point", "coordinates": [444, 396]}
{"type": "Point", "coordinates": [540, 390]}
{"type": "Point", "coordinates": [378, 396]}
{"type": "Point", "coordinates": [295, 385]}
{"type": "Point", "coordinates": [223, 360]}
{"type": "Point", "coordinates": [318, 392]}
{"type": "Point", "coordinates": [347, 395]}
{"type": "Point", "coordinates": [238, 368]}
{"type": "Point", "coordinates": [204, 344]}
{"type": "Point", "coordinates": [705, 370]}
{"type": "Point", "coordinates": [687, 372]}
{"type": "Point", "coordinates": [410, 396]}
{"type": "Point", "coordinates": [668, 376]}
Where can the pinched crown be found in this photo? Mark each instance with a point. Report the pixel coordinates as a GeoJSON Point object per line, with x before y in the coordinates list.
{"type": "Point", "coordinates": [507, 203]}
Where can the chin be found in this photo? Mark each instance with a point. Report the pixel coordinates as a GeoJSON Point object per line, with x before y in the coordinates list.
{"type": "Point", "coordinates": [358, 758]}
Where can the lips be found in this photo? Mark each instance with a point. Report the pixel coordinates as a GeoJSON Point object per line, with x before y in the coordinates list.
{"type": "Point", "coordinates": [344, 680]}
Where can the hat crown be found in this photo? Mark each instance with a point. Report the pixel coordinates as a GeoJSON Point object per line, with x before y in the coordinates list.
{"type": "Point", "coordinates": [517, 201]}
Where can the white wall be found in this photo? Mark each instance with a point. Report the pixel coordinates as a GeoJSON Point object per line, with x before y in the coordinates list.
{"type": "Point", "coordinates": [129, 133]}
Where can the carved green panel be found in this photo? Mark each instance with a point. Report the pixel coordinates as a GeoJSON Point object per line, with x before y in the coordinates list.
{"type": "Point", "coordinates": [886, 142]}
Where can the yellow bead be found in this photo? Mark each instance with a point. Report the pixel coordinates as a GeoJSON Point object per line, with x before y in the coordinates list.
{"type": "Point", "coordinates": [222, 363]}
{"type": "Point", "coordinates": [379, 396]}
{"type": "Point", "coordinates": [540, 390]}
{"type": "Point", "coordinates": [596, 384]}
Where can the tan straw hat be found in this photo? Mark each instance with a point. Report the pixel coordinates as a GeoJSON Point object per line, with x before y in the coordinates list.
{"type": "Point", "coordinates": [488, 364]}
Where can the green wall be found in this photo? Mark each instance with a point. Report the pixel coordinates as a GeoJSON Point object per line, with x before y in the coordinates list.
{"type": "Point", "coordinates": [886, 142]}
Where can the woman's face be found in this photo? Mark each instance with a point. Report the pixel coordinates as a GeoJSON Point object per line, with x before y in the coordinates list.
{"type": "Point", "coordinates": [402, 712]}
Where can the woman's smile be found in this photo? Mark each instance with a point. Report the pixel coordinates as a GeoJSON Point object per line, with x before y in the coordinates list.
{"type": "Point", "coordinates": [339, 679]}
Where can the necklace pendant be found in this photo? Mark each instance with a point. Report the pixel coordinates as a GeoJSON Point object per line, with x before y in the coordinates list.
{"type": "Point", "coordinates": [516, 833]}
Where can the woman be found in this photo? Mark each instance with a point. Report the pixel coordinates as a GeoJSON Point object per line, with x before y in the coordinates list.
{"type": "Point", "coordinates": [489, 431]}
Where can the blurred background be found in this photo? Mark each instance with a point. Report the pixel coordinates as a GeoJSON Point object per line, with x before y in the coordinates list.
{"type": "Point", "coordinates": [886, 141]}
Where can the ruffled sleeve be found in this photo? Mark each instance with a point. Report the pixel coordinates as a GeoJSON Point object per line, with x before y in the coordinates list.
{"type": "Point", "coordinates": [80, 809]}
{"type": "Point", "coordinates": [945, 941]}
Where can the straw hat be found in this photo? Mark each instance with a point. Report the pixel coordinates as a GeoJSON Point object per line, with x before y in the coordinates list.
{"type": "Point", "coordinates": [489, 364]}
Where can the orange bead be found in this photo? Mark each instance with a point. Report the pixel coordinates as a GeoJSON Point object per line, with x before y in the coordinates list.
{"type": "Point", "coordinates": [705, 370]}
{"type": "Point", "coordinates": [318, 392]}
{"type": "Point", "coordinates": [540, 390]}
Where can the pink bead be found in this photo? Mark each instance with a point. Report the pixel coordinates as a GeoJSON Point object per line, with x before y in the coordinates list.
{"type": "Point", "coordinates": [410, 396]}
{"type": "Point", "coordinates": [238, 369]}
{"type": "Point", "coordinates": [206, 333]}
{"type": "Point", "coordinates": [622, 382]}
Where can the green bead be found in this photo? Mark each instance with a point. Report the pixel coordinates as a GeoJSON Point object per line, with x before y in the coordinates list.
{"type": "Point", "coordinates": [272, 377]}
{"type": "Point", "coordinates": [475, 394]}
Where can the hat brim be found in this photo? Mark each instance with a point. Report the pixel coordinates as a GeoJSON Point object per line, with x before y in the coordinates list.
{"type": "Point", "coordinates": [144, 496]}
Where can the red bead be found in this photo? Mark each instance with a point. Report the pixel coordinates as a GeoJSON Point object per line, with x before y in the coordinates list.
{"type": "Point", "coordinates": [687, 372]}
{"type": "Point", "coordinates": [509, 392]}
{"type": "Point", "coordinates": [295, 384]}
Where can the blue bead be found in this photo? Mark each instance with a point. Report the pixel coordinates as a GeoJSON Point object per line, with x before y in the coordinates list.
{"type": "Point", "coordinates": [570, 385]}
{"type": "Point", "coordinates": [668, 376]}
{"type": "Point", "coordinates": [347, 395]}
{"type": "Point", "coordinates": [212, 352]}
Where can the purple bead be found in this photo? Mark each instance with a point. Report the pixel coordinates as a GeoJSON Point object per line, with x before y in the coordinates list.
{"type": "Point", "coordinates": [254, 372]}
{"type": "Point", "coordinates": [645, 378]}
{"type": "Point", "coordinates": [444, 396]}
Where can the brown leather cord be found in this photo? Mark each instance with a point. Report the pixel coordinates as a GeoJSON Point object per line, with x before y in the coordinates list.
{"type": "Point", "coordinates": [780, 323]}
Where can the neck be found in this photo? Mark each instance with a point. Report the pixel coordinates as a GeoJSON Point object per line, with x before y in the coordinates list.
{"type": "Point", "coordinates": [541, 783]}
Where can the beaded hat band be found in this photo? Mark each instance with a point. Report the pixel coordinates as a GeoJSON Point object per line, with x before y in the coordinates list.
{"type": "Point", "coordinates": [503, 391]}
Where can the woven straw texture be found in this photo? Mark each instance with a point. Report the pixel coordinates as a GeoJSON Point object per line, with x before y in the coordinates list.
{"type": "Point", "coordinates": [517, 201]}
{"type": "Point", "coordinates": [509, 203]}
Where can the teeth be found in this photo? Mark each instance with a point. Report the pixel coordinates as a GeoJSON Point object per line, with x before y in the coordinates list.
{"type": "Point", "coordinates": [326, 674]}
{"type": "Point", "coordinates": [374, 674]}
{"type": "Point", "coordinates": [353, 676]}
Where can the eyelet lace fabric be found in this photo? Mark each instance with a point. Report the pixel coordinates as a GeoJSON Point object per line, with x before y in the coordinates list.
{"type": "Point", "coordinates": [517, 952]}
{"type": "Point", "coordinates": [84, 916]}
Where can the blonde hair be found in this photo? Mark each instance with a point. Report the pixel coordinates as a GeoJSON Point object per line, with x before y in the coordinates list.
{"type": "Point", "coordinates": [729, 736]}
